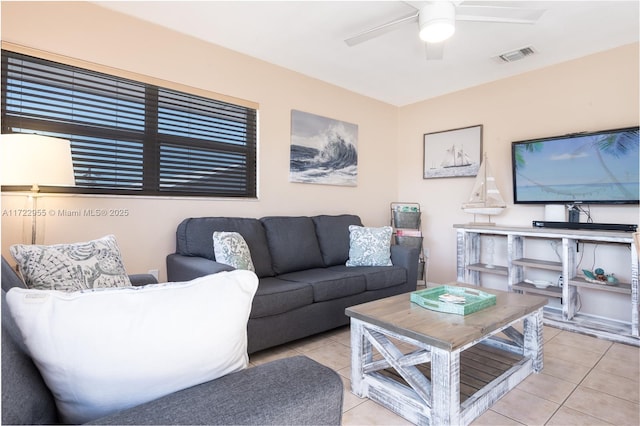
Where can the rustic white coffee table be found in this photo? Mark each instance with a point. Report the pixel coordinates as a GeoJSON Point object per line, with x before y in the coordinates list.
{"type": "Point", "coordinates": [438, 368]}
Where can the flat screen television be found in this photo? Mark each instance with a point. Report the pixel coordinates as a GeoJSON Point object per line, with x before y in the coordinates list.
{"type": "Point", "coordinates": [584, 168]}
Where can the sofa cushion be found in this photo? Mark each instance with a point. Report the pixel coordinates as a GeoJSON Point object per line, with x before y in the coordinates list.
{"type": "Point", "coordinates": [369, 246]}
{"type": "Point", "coordinates": [193, 238]}
{"type": "Point", "coordinates": [276, 296]}
{"type": "Point", "coordinates": [329, 284]}
{"type": "Point", "coordinates": [293, 243]}
{"type": "Point", "coordinates": [231, 249]}
{"type": "Point", "coordinates": [72, 267]}
{"type": "Point", "coordinates": [105, 350]}
{"type": "Point", "coordinates": [377, 277]}
{"type": "Point", "coordinates": [333, 237]}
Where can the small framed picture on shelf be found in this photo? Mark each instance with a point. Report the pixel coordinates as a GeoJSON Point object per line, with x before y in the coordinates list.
{"type": "Point", "coordinates": [452, 153]}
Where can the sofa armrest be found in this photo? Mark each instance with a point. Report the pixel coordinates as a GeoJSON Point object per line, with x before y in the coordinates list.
{"type": "Point", "coordinates": [142, 279]}
{"type": "Point", "coordinates": [187, 268]}
{"type": "Point", "coordinates": [290, 391]}
{"type": "Point", "coordinates": [407, 257]}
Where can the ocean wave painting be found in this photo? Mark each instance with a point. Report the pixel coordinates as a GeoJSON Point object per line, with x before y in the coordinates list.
{"type": "Point", "coordinates": [323, 150]}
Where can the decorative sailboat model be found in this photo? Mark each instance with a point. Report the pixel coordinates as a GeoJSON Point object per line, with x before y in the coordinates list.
{"type": "Point", "coordinates": [485, 197]}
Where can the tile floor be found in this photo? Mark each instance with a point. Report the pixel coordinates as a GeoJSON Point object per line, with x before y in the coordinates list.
{"type": "Point", "coordinates": [585, 381]}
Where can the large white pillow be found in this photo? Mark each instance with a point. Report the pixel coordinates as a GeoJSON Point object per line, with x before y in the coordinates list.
{"type": "Point", "coordinates": [106, 350]}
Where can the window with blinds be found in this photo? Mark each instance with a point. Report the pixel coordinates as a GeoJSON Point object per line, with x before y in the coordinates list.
{"type": "Point", "coordinates": [129, 137]}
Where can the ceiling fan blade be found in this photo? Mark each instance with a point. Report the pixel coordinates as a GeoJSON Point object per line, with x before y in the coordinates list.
{"type": "Point", "coordinates": [434, 51]}
{"type": "Point", "coordinates": [382, 29]}
{"type": "Point", "coordinates": [504, 14]}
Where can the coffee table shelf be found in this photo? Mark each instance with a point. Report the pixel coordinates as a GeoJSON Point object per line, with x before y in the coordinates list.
{"type": "Point", "coordinates": [479, 366]}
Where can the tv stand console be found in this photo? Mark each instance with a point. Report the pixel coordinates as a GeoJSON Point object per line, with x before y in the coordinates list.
{"type": "Point", "coordinates": [516, 266]}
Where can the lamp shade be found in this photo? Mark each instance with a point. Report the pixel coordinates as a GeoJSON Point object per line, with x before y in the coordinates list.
{"type": "Point", "coordinates": [29, 159]}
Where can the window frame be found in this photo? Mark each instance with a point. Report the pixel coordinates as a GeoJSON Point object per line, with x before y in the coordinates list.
{"type": "Point", "coordinates": [238, 180]}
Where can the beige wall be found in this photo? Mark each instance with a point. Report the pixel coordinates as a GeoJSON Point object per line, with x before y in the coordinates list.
{"type": "Point", "coordinates": [592, 93]}
{"type": "Point", "coordinates": [596, 92]}
{"type": "Point", "coordinates": [90, 33]}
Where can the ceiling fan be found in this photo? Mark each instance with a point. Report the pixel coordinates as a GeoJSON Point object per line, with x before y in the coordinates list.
{"type": "Point", "coordinates": [436, 21]}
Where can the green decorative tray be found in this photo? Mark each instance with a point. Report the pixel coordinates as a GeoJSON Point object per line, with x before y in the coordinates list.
{"type": "Point", "coordinates": [475, 300]}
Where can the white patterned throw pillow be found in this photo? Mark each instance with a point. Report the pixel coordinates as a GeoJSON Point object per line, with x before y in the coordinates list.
{"type": "Point", "coordinates": [231, 249]}
{"type": "Point", "coordinates": [72, 267]}
{"type": "Point", "coordinates": [108, 349]}
{"type": "Point", "coordinates": [369, 246]}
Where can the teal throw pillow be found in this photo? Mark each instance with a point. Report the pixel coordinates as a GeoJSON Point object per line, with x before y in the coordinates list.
{"type": "Point", "coordinates": [369, 246]}
{"type": "Point", "coordinates": [231, 249]}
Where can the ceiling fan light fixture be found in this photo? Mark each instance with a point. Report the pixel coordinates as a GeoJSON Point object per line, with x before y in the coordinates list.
{"type": "Point", "coordinates": [437, 32]}
{"type": "Point", "coordinates": [437, 21]}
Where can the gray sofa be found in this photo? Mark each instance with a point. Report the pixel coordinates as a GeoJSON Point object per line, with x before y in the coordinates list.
{"type": "Point", "coordinates": [294, 391]}
{"type": "Point", "coordinates": [304, 285]}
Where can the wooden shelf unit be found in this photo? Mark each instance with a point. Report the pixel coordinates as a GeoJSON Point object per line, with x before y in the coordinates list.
{"type": "Point", "coordinates": [493, 269]}
{"type": "Point", "coordinates": [470, 268]}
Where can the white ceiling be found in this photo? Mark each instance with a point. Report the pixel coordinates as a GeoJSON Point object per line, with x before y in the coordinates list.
{"type": "Point", "coordinates": [308, 37]}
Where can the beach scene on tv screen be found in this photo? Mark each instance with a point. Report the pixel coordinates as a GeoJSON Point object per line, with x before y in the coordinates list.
{"type": "Point", "coordinates": [591, 168]}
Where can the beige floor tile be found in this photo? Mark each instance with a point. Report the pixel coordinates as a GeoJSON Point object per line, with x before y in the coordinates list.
{"type": "Point", "coordinates": [525, 408]}
{"type": "Point", "coordinates": [345, 372]}
{"type": "Point", "coordinates": [309, 343]}
{"type": "Point", "coordinates": [371, 413]}
{"type": "Point", "coordinates": [548, 387]}
{"type": "Point", "coordinates": [582, 341]}
{"type": "Point", "coordinates": [565, 370]}
{"type": "Point", "coordinates": [337, 331]}
{"type": "Point", "coordinates": [618, 367]}
{"type": "Point", "coordinates": [491, 418]}
{"type": "Point", "coordinates": [349, 400]}
{"type": "Point", "coordinates": [621, 387]}
{"type": "Point", "coordinates": [604, 394]}
{"type": "Point", "coordinates": [549, 333]}
{"type": "Point", "coordinates": [343, 336]}
{"type": "Point", "coordinates": [626, 353]}
{"type": "Point", "coordinates": [272, 354]}
{"type": "Point", "coordinates": [581, 356]}
{"type": "Point", "coordinates": [604, 407]}
{"type": "Point", "coordinates": [332, 354]}
{"type": "Point", "coordinates": [568, 417]}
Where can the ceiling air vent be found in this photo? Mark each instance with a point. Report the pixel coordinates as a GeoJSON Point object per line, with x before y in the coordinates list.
{"type": "Point", "coordinates": [515, 55]}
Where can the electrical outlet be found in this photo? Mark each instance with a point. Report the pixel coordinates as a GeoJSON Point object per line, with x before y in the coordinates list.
{"type": "Point", "coordinates": [153, 272]}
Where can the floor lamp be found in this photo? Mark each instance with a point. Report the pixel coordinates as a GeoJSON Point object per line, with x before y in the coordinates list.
{"type": "Point", "coordinates": [30, 159]}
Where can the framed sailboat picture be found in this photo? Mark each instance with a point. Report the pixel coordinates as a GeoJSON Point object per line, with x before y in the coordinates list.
{"type": "Point", "coordinates": [453, 153]}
